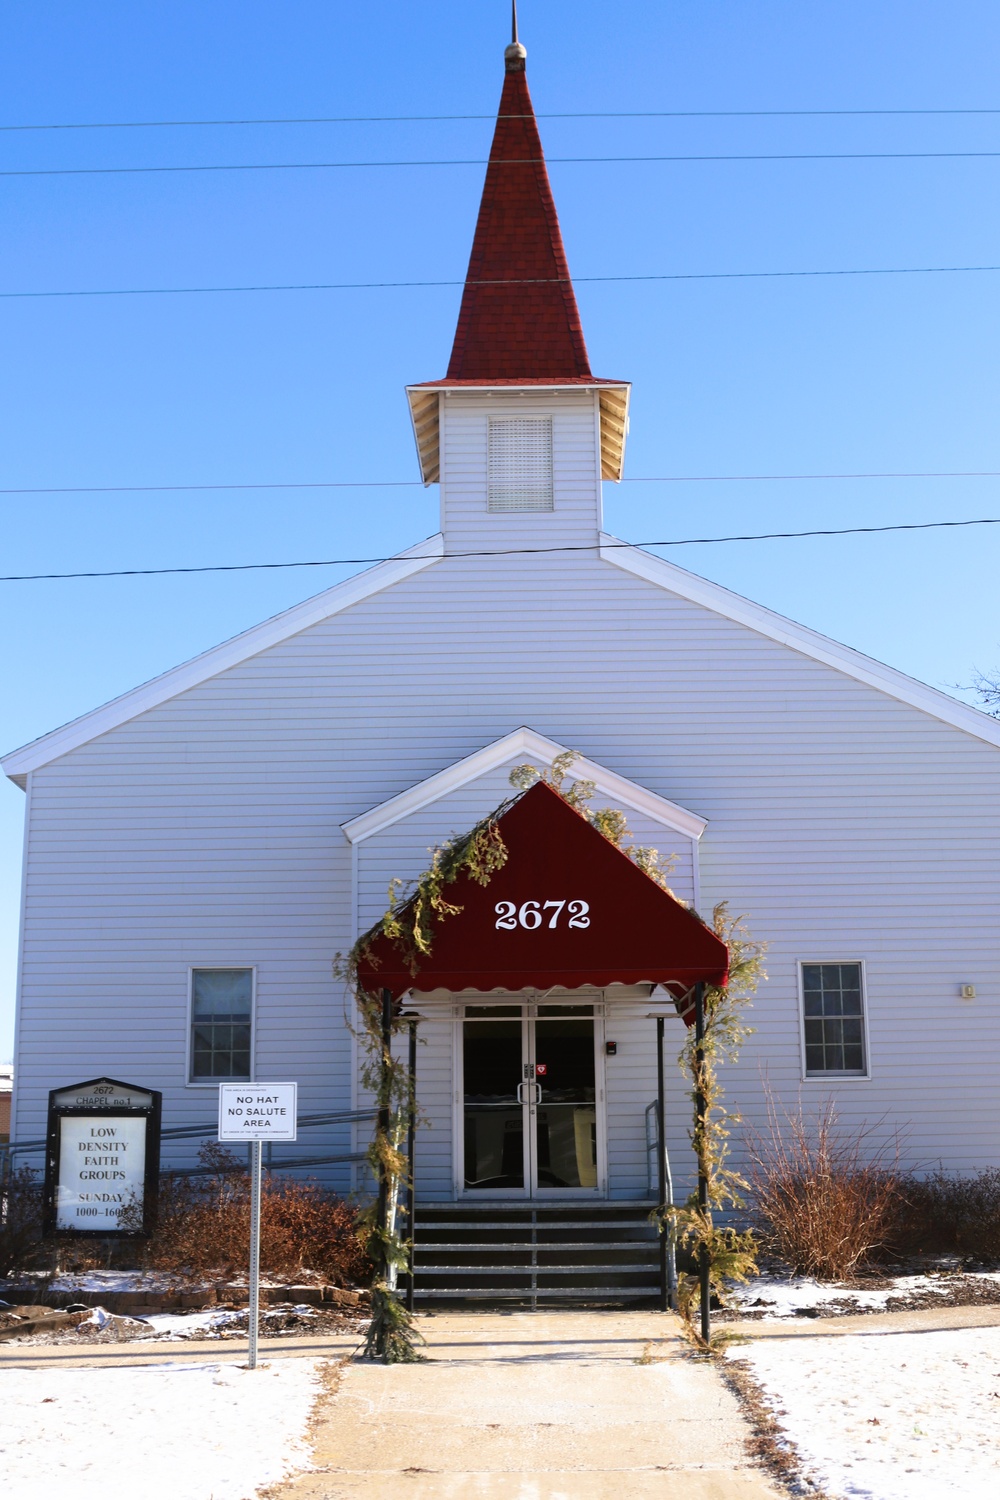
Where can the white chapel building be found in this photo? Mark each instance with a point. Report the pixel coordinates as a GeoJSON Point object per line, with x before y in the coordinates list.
{"type": "Point", "coordinates": [198, 850]}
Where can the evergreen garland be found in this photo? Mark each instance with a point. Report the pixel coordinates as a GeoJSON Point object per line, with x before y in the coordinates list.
{"type": "Point", "coordinates": [409, 922]}
{"type": "Point", "coordinates": [731, 1253]}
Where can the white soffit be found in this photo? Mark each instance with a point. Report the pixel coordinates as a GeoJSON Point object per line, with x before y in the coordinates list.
{"type": "Point", "coordinates": [543, 752]}
{"type": "Point", "coordinates": [800, 638]}
{"type": "Point", "coordinates": [239, 649]}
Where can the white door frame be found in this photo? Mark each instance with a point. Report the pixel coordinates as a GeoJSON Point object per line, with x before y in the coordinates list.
{"type": "Point", "coordinates": [531, 1192]}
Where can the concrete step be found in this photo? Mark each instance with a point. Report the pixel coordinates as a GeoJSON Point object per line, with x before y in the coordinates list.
{"type": "Point", "coordinates": [536, 1254]}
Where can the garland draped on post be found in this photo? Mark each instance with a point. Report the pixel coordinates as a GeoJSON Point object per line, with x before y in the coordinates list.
{"type": "Point", "coordinates": [720, 1250]}
{"type": "Point", "coordinates": [409, 922]}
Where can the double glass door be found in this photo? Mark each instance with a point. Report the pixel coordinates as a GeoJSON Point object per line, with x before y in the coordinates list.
{"type": "Point", "coordinates": [530, 1100]}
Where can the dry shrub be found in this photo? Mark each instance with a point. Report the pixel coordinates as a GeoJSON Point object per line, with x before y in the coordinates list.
{"type": "Point", "coordinates": [203, 1226]}
{"type": "Point", "coordinates": [20, 1221]}
{"type": "Point", "coordinates": [956, 1214]}
{"type": "Point", "coordinates": [827, 1200]}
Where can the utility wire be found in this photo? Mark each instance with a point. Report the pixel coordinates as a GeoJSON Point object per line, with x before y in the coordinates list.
{"type": "Point", "coordinates": [357, 286]}
{"type": "Point", "coordinates": [386, 484]}
{"type": "Point", "coordinates": [513, 161]}
{"type": "Point", "coordinates": [648, 114]}
{"type": "Point", "coordinates": [330, 562]}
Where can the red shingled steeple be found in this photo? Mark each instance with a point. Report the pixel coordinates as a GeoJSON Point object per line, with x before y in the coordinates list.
{"type": "Point", "coordinates": [527, 327]}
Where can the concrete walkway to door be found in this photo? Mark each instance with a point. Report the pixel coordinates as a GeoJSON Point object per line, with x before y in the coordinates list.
{"type": "Point", "coordinates": [535, 1406]}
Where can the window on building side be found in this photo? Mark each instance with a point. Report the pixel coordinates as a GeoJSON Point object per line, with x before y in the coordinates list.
{"type": "Point", "coordinates": [221, 1023]}
{"type": "Point", "coordinates": [833, 1019]}
{"type": "Point", "coordinates": [519, 464]}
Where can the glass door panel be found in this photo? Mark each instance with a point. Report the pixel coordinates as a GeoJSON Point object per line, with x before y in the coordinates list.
{"type": "Point", "coordinates": [493, 1053]}
{"type": "Point", "coordinates": [563, 1104]}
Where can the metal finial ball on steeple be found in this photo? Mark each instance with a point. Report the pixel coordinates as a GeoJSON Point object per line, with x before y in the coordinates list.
{"type": "Point", "coordinates": [515, 54]}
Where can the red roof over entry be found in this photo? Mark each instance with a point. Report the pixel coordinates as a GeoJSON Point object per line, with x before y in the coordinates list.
{"type": "Point", "coordinates": [568, 909]}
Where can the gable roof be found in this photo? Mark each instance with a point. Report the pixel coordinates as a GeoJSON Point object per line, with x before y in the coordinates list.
{"type": "Point", "coordinates": [210, 663]}
{"type": "Point", "coordinates": [540, 748]}
{"type": "Point", "coordinates": [604, 920]}
{"type": "Point", "coordinates": [766, 622]}
{"type": "Point", "coordinates": [624, 555]}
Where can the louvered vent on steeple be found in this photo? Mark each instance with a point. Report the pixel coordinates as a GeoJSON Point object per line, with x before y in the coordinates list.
{"type": "Point", "coordinates": [519, 463]}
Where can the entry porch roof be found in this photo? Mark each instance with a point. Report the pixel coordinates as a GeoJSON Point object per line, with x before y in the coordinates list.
{"type": "Point", "coordinates": [567, 910]}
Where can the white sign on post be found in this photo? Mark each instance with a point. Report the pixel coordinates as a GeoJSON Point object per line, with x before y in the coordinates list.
{"type": "Point", "coordinates": [258, 1111]}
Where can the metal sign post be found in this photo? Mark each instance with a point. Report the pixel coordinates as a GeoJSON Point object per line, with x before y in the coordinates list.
{"type": "Point", "coordinates": [254, 1310]}
{"type": "Point", "coordinates": [256, 1112]}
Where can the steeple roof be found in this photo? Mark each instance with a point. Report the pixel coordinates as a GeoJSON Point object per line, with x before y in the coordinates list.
{"type": "Point", "coordinates": [519, 319]}
{"type": "Point", "coordinates": [518, 325]}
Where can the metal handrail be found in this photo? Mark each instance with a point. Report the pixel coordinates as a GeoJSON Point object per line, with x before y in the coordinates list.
{"type": "Point", "coordinates": [192, 1132]}
{"type": "Point", "coordinates": [10, 1149]}
{"type": "Point", "coordinates": [653, 1183]}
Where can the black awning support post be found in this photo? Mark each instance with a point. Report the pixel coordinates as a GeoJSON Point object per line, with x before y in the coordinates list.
{"type": "Point", "coordinates": [668, 1259]}
{"type": "Point", "coordinates": [704, 1276]}
{"type": "Point", "coordinates": [384, 1120]}
{"type": "Point", "coordinates": [411, 1134]}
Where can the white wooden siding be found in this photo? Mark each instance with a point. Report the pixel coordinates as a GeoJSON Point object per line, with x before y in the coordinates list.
{"type": "Point", "coordinates": [845, 823]}
{"type": "Point", "coordinates": [576, 481]}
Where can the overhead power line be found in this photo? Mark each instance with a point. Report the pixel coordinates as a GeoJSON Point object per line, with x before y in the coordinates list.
{"type": "Point", "coordinates": [385, 484]}
{"type": "Point", "coordinates": [360, 286]}
{"type": "Point", "coordinates": [643, 114]}
{"type": "Point", "coordinates": [354, 484]}
{"type": "Point", "coordinates": [513, 161]}
{"type": "Point", "coordinates": [331, 562]}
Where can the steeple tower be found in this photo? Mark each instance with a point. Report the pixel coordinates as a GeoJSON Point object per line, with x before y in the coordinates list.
{"type": "Point", "coordinates": [519, 317]}
{"type": "Point", "coordinates": [519, 359]}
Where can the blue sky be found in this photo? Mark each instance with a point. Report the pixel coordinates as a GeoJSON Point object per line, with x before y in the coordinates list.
{"type": "Point", "coordinates": [731, 377]}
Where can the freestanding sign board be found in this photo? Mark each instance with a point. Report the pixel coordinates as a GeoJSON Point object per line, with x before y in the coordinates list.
{"type": "Point", "coordinates": [256, 1112]}
{"type": "Point", "coordinates": [102, 1158]}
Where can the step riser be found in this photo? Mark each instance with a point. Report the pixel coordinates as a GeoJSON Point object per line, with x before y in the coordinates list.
{"type": "Point", "coordinates": [535, 1257]}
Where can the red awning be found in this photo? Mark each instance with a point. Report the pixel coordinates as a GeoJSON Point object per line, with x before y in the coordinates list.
{"type": "Point", "coordinates": [567, 910]}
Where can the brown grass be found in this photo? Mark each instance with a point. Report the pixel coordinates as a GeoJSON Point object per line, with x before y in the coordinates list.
{"type": "Point", "coordinates": [828, 1201]}
{"type": "Point", "coordinates": [203, 1226]}
{"type": "Point", "coordinates": [768, 1444]}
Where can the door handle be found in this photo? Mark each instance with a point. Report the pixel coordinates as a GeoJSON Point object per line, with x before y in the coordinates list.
{"type": "Point", "coordinates": [520, 1095]}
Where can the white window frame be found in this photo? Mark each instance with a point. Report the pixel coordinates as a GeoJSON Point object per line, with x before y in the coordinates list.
{"type": "Point", "coordinates": [520, 510]}
{"type": "Point", "coordinates": [213, 1083]}
{"type": "Point", "coordinates": [823, 1078]}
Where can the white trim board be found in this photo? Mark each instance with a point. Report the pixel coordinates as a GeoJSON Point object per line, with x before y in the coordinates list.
{"type": "Point", "coordinates": [540, 748]}
{"type": "Point", "coordinates": [240, 648]}
{"type": "Point", "coordinates": [821, 648]}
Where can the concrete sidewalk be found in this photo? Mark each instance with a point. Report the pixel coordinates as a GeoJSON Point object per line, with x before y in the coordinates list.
{"type": "Point", "coordinates": [543, 1406]}
{"type": "Point", "coordinates": [919, 1320]}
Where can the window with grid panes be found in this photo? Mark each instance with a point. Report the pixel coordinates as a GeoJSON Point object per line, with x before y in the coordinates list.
{"type": "Point", "coordinates": [834, 1019]}
{"type": "Point", "coordinates": [221, 1023]}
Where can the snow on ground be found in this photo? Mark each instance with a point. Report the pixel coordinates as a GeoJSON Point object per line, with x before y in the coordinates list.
{"type": "Point", "coordinates": [774, 1297]}
{"type": "Point", "coordinates": [212, 1319]}
{"type": "Point", "coordinates": [162, 1432]}
{"type": "Point", "coordinates": [887, 1416]}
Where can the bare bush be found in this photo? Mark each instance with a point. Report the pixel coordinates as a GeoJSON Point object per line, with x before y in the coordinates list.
{"type": "Point", "coordinates": [828, 1200]}
{"type": "Point", "coordinates": [952, 1213]}
{"type": "Point", "coordinates": [20, 1221]}
{"type": "Point", "coordinates": [203, 1226]}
